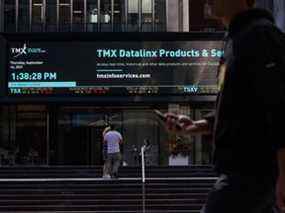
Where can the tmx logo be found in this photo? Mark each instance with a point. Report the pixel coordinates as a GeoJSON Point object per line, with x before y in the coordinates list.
{"type": "Point", "coordinates": [25, 50]}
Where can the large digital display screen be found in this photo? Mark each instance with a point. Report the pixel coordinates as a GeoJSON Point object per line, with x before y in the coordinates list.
{"type": "Point", "coordinates": [99, 68]}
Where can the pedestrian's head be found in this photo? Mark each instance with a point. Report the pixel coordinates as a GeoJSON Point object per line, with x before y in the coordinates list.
{"type": "Point", "coordinates": [112, 127]}
{"type": "Point", "coordinates": [225, 10]}
{"type": "Point", "coordinates": [146, 142]}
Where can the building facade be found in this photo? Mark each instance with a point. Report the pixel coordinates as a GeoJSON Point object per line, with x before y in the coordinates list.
{"type": "Point", "coordinates": [51, 133]}
{"type": "Point", "coordinates": [83, 15]}
{"type": "Point", "coordinates": [117, 15]}
{"type": "Point", "coordinates": [59, 134]}
{"type": "Point", "coordinates": [105, 15]}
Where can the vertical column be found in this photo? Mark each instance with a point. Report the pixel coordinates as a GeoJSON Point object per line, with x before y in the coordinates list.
{"type": "Point", "coordinates": [172, 139]}
{"type": "Point", "coordinates": [140, 15]}
{"type": "Point", "coordinates": [126, 14]}
{"type": "Point", "coordinates": [1, 15]}
{"type": "Point", "coordinates": [30, 15]}
{"type": "Point", "coordinates": [153, 15]}
{"type": "Point", "coordinates": [180, 15]}
{"type": "Point", "coordinates": [44, 16]}
{"type": "Point", "coordinates": [112, 15]}
{"type": "Point", "coordinates": [99, 15]}
{"type": "Point", "coordinates": [198, 142]}
{"type": "Point", "coordinates": [172, 15]}
{"type": "Point", "coordinates": [71, 15]}
{"type": "Point", "coordinates": [57, 15]}
{"type": "Point", "coordinates": [48, 137]}
{"type": "Point", "coordinates": [85, 15]}
{"type": "Point", "coordinates": [185, 16]}
{"type": "Point", "coordinates": [17, 15]}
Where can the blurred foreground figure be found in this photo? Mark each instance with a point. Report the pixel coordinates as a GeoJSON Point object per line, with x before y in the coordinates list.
{"type": "Point", "coordinates": [247, 127]}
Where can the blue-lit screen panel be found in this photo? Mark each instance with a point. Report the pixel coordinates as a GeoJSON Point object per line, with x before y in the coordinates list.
{"type": "Point", "coordinates": [88, 68]}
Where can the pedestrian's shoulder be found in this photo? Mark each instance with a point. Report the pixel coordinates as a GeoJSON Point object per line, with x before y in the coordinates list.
{"type": "Point", "coordinates": [119, 134]}
{"type": "Point", "coordinates": [108, 133]}
{"type": "Point", "coordinates": [267, 30]}
{"type": "Point", "coordinates": [258, 39]}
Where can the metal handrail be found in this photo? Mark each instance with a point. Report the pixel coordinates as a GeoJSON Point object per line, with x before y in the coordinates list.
{"type": "Point", "coordinates": [143, 162]}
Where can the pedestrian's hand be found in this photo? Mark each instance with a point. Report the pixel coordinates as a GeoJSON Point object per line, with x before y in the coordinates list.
{"type": "Point", "coordinates": [178, 123]}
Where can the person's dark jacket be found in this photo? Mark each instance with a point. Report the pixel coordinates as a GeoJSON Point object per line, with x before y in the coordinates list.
{"type": "Point", "coordinates": [248, 128]}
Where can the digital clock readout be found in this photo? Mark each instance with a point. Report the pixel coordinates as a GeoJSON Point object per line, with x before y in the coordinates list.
{"type": "Point", "coordinates": [33, 76]}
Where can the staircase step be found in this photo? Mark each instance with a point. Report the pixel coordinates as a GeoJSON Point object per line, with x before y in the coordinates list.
{"type": "Point", "coordinates": [82, 190]}
{"type": "Point", "coordinates": [67, 206]}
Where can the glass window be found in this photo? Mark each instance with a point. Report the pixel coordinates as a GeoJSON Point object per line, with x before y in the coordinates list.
{"type": "Point", "coordinates": [200, 16]}
{"type": "Point", "coordinates": [79, 137]}
{"type": "Point", "coordinates": [106, 16]}
{"type": "Point", "coordinates": [10, 16]}
{"type": "Point", "coordinates": [30, 140]}
{"type": "Point", "coordinates": [64, 15]}
{"type": "Point", "coordinates": [133, 15]}
{"type": "Point", "coordinates": [147, 15]}
{"type": "Point", "coordinates": [38, 17]}
{"type": "Point", "coordinates": [24, 16]}
{"type": "Point", "coordinates": [76, 135]}
{"type": "Point", "coordinates": [160, 15]}
{"type": "Point", "coordinates": [51, 16]}
{"type": "Point", "coordinates": [92, 15]}
{"type": "Point", "coordinates": [78, 16]}
{"type": "Point", "coordinates": [119, 15]}
{"type": "Point", "coordinates": [141, 126]}
{"type": "Point", "coordinates": [23, 135]}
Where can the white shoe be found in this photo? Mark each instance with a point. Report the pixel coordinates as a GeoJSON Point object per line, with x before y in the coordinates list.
{"type": "Point", "coordinates": [106, 177]}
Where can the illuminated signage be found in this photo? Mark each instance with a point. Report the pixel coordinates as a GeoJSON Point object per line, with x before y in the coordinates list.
{"type": "Point", "coordinates": [113, 68]}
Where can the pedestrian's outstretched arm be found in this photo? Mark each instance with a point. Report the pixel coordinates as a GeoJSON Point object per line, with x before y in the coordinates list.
{"type": "Point", "coordinates": [188, 126]}
{"type": "Point", "coordinates": [199, 127]}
